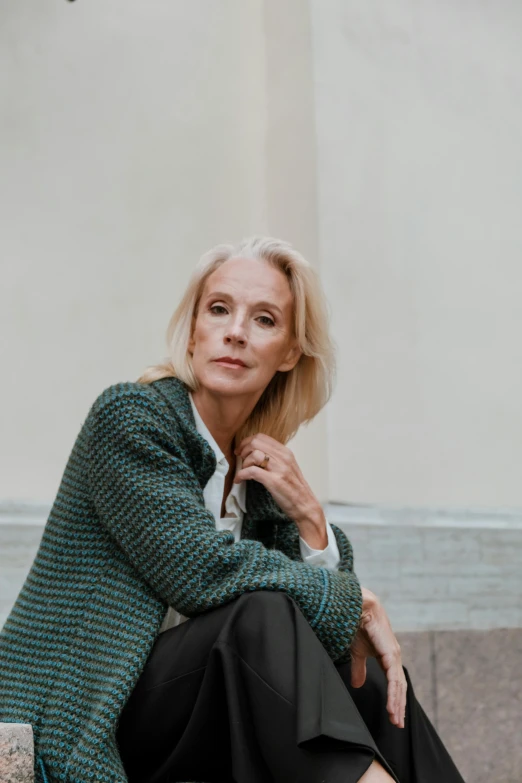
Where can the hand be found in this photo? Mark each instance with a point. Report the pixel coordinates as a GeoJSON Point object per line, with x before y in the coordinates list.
{"type": "Point", "coordinates": [282, 477]}
{"type": "Point", "coordinates": [375, 639]}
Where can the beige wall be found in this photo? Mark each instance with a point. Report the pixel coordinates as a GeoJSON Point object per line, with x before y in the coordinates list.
{"type": "Point", "coordinates": [291, 175]}
{"type": "Point", "coordinates": [419, 125]}
{"type": "Point", "coordinates": [378, 137]}
{"type": "Point", "coordinates": [134, 141]}
{"type": "Point", "coordinates": [136, 136]}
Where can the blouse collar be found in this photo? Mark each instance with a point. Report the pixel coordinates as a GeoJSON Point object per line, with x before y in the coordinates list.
{"type": "Point", "coordinates": [238, 490]}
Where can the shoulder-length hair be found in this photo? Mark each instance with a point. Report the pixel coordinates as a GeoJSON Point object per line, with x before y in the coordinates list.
{"type": "Point", "coordinates": [291, 398]}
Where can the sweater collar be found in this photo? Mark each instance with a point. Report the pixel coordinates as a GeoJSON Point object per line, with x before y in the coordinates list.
{"type": "Point", "coordinates": [238, 490]}
{"type": "Point", "coordinates": [200, 452]}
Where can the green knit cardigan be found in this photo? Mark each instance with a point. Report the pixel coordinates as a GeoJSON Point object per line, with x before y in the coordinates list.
{"type": "Point", "coordinates": [127, 536]}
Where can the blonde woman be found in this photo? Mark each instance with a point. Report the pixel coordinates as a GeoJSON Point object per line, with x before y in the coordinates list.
{"type": "Point", "coordinates": [190, 613]}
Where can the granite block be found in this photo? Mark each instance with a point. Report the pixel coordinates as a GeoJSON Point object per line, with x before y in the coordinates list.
{"type": "Point", "coordinates": [479, 702]}
{"type": "Point", "coordinates": [16, 753]}
{"type": "Point", "coordinates": [417, 657]}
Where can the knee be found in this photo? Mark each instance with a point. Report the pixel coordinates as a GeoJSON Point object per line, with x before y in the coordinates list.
{"type": "Point", "coordinates": [260, 610]}
{"type": "Point", "coordinates": [261, 600]}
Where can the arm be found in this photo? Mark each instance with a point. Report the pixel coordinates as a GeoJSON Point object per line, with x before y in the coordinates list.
{"type": "Point", "coordinates": [150, 501]}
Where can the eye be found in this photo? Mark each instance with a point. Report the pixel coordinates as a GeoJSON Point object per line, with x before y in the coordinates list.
{"type": "Point", "coordinates": [267, 322]}
{"type": "Point", "coordinates": [271, 322]}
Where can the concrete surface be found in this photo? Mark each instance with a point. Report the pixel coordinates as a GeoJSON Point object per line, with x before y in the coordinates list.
{"type": "Point", "coordinates": [16, 753]}
{"type": "Point", "coordinates": [441, 578]}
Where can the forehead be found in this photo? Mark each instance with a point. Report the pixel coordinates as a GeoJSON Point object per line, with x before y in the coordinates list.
{"type": "Point", "coordinates": [250, 279]}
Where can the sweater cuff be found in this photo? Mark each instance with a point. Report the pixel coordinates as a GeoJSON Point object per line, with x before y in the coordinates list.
{"type": "Point", "coordinates": [337, 619]}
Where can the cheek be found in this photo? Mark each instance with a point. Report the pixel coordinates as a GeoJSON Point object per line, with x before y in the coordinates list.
{"type": "Point", "coordinates": [201, 334]}
{"type": "Point", "coordinates": [272, 350]}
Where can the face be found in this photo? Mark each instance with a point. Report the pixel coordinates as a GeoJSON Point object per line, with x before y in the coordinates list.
{"type": "Point", "coordinates": [245, 312]}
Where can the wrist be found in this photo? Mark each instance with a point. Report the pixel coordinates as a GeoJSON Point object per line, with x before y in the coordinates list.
{"type": "Point", "coordinates": [311, 515]}
{"type": "Point", "coordinates": [312, 528]}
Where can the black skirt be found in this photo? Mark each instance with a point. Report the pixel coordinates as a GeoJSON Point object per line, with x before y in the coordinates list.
{"type": "Point", "coordinates": [246, 693]}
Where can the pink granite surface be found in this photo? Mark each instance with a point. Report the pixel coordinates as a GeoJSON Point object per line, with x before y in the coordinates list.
{"type": "Point", "coordinates": [479, 690]}
{"type": "Point", "coordinates": [16, 753]}
{"type": "Point", "coordinates": [470, 685]}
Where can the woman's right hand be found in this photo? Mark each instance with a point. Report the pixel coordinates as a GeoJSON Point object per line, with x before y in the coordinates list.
{"type": "Point", "coordinates": [375, 639]}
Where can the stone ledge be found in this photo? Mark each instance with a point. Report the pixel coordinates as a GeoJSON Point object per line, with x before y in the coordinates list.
{"type": "Point", "coordinates": [423, 517]}
{"type": "Point", "coordinates": [16, 753]}
{"type": "Point", "coordinates": [17, 512]}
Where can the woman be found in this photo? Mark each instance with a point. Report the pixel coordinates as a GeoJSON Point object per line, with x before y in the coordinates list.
{"type": "Point", "coordinates": [190, 613]}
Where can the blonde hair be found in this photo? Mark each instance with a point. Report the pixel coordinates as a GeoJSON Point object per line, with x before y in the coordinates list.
{"type": "Point", "coordinates": [290, 398]}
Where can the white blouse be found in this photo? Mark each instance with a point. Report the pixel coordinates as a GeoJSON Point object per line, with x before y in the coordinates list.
{"type": "Point", "coordinates": [235, 507]}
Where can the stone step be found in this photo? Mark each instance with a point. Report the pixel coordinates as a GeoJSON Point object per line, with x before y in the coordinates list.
{"type": "Point", "coordinates": [468, 682]}
{"type": "Point", "coordinates": [428, 576]}
{"type": "Point", "coordinates": [16, 753]}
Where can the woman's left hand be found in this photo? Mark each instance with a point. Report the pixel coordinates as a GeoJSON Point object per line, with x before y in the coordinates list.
{"type": "Point", "coordinates": [282, 476]}
{"type": "Point", "coordinates": [375, 639]}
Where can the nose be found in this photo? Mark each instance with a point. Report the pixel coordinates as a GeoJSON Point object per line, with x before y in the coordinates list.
{"type": "Point", "coordinates": [236, 332]}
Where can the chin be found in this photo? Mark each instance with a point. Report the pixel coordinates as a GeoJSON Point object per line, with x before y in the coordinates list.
{"type": "Point", "coordinates": [217, 382]}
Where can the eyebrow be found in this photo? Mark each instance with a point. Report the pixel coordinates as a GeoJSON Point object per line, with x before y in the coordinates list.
{"type": "Point", "coordinates": [223, 295]}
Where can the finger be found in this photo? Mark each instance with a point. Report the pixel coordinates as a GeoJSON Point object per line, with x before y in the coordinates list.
{"type": "Point", "coordinates": [261, 440]}
{"type": "Point", "coordinates": [393, 702]}
{"type": "Point", "coordinates": [254, 458]}
{"type": "Point", "coordinates": [396, 700]}
{"type": "Point", "coordinates": [401, 706]}
{"type": "Point", "coordinates": [404, 702]}
{"type": "Point", "coordinates": [257, 440]}
{"type": "Point", "coordinates": [254, 472]}
{"type": "Point", "coordinates": [396, 704]}
{"type": "Point", "coordinates": [242, 447]}
{"type": "Point", "coordinates": [358, 668]}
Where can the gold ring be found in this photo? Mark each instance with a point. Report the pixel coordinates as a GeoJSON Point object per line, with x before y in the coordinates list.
{"type": "Point", "coordinates": [265, 461]}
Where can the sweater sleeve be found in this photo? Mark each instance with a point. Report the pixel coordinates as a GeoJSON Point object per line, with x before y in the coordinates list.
{"type": "Point", "coordinates": [150, 501]}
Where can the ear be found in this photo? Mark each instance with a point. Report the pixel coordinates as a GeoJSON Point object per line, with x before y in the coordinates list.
{"type": "Point", "coordinates": [291, 358]}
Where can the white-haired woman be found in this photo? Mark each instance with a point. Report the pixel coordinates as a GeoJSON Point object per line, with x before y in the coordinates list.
{"type": "Point", "coordinates": [190, 613]}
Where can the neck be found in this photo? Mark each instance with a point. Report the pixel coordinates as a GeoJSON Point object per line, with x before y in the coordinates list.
{"type": "Point", "coordinates": [223, 416]}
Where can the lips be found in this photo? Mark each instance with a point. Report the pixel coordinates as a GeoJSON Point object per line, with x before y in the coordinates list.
{"type": "Point", "coordinates": [229, 360]}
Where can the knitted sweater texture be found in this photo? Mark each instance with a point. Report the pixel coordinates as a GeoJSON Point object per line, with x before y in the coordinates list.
{"type": "Point", "coordinates": [128, 535]}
